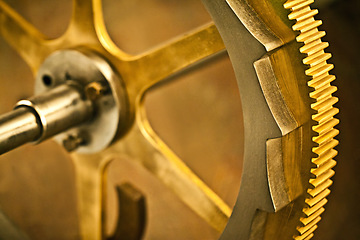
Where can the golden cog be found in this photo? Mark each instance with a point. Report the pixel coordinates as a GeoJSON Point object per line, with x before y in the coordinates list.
{"type": "Point", "coordinates": [140, 72]}
{"type": "Point", "coordinates": [325, 122]}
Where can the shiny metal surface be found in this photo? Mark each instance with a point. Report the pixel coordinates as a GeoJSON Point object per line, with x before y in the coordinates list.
{"type": "Point", "coordinates": [279, 128]}
{"type": "Point", "coordinates": [59, 109]}
{"type": "Point", "coordinates": [110, 114]}
{"type": "Point", "coordinates": [259, 124]}
{"type": "Point", "coordinates": [44, 116]}
{"type": "Point", "coordinates": [325, 131]}
{"type": "Point", "coordinates": [290, 153]}
{"type": "Point", "coordinates": [139, 73]}
{"type": "Point", "coordinates": [80, 100]}
{"type": "Point", "coordinates": [17, 128]}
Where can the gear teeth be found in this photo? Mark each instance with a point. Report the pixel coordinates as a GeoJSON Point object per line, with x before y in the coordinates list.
{"type": "Point", "coordinates": [316, 214]}
{"type": "Point", "coordinates": [317, 58]}
{"type": "Point", "coordinates": [320, 188]}
{"type": "Point", "coordinates": [325, 104]}
{"type": "Point", "coordinates": [327, 136]}
{"type": "Point", "coordinates": [311, 210]}
{"type": "Point", "coordinates": [324, 112]}
{"type": "Point", "coordinates": [291, 3]}
{"type": "Point", "coordinates": [303, 36]}
{"type": "Point", "coordinates": [314, 200]}
{"type": "Point", "coordinates": [311, 25]}
{"type": "Point", "coordinates": [325, 157]}
{"type": "Point", "coordinates": [326, 147]}
{"type": "Point", "coordinates": [314, 47]}
{"type": "Point", "coordinates": [320, 81]}
{"type": "Point", "coordinates": [310, 36]}
{"type": "Point", "coordinates": [309, 237]}
{"type": "Point", "coordinates": [319, 69]}
{"type": "Point", "coordinates": [322, 178]}
{"type": "Point", "coordinates": [297, 4]}
{"type": "Point", "coordinates": [321, 93]}
{"type": "Point", "coordinates": [306, 230]}
{"type": "Point", "coordinates": [325, 115]}
{"type": "Point", "coordinates": [301, 24]}
{"type": "Point", "coordinates": [304, 237]}
{"type": "Point", "coordinates": [308, 233]}
{"type": "Point", "coordinates": [303, 14]}
{"type": "Point", "coordinates": [323, 168]}
{"type": "Point", "coordinates": [325, 126]}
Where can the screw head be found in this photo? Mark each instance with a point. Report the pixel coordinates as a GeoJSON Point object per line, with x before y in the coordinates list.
{"type": "Point", "coordinates": [94, 90]}
{"type": "Point", "coordinates": [72, 142]}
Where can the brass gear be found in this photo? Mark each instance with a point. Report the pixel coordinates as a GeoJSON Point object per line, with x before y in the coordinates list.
{"type": "Point", "coordinates": [282, 195]}
{"type": "Point", "coordinates": [325, 122]}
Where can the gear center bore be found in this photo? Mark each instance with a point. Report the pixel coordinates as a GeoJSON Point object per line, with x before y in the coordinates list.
{"type": "Point", "coordinates": [79, 99]}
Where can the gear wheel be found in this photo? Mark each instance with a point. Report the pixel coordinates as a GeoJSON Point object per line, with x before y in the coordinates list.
{"type": "Point", "coordinates": [324, 116]}
{"type": "Point", "coordinates": [287, 108]}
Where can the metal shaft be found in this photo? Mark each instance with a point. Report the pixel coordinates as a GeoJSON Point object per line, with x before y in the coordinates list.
{"type": "Point", "coordinates": [17, 128]}
{"type": "Point", "coordinates": [44, 116]}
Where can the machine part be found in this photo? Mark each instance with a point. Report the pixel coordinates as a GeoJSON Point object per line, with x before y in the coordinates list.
{"type": "Point", "coordinates": [132, 213]}
{"type": "Point", "coordinates": [322, 92]}
{"type": "Point", "coordinates": [72, 142]}
{"type": "Point", "coordinates": [285, 88]}
{"type": "Point", "coordinates": [44, 116]}
{"type": "Point", "coordinates": [17, 128]}
{"type": "Point", "coordinates": [100, 85]}
{"type": "Point", "coordinates": [74, 97]}
{"type": "Point", "coordinates": [94, 90]}
{"type": "Point", "coordinates": [59, 109]}
{"type": "Point", "coordinates": [278, 113]}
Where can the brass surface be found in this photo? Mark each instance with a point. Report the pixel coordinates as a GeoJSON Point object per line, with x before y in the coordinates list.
{"type": "Point", "coordinates": [265, 21]}
{"type": "Point", "coordinates": [139, 72]}
{"type": "Point", "coordinates": [284, 85]}
{"type": "Point", "coordinates": [307, 132]}
{"type": "Point", "coordinates": [322, 90]}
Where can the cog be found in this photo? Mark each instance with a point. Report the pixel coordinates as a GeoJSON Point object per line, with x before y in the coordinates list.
{"type": "Point", "coordinates": [287, 104]}
{"type": "Point", "coordinates": [318, 70]}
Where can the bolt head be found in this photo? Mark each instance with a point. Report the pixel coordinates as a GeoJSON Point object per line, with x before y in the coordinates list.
{"type": "Point", "coordinates": [94, 90]}
{"type": "Point", "coordinates": [72, 142]}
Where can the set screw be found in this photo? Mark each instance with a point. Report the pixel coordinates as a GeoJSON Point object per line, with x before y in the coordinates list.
{"type": "Point", "coordinates": [95, 90]}
{"type": "Point", "coordinates": [72, 142]}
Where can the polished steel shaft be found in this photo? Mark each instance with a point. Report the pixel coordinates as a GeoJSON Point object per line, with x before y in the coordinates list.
{"type": "Point", "coordinates": [44, 116]}
{"type": "Point", "coordinates": [17, 128]}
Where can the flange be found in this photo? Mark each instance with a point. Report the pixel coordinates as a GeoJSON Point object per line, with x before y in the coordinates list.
{"type": "Point", "coordinates": [100, 85]}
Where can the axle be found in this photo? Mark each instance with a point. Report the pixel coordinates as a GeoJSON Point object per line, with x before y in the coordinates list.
{"type": "Point", "coordinates": [17, 128]}
{"type": "Point", "coordinates": [80, 101]}
{"type": "Point", "coordinates": [44, 116]}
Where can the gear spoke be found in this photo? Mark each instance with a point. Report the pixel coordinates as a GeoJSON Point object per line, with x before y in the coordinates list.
{"type": "Point", "coordinates": [155, 65]}
{"type": "Point", "coordinates": [90, 182]}
{"type": "Point", "coordinates": [87, 27]}
{"type": "Point", "coordinates": [28, 41]}
{"type": "Point", "coordinates": [157, 158]}
{"type": "Point", "coordinates": [83, 16]}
